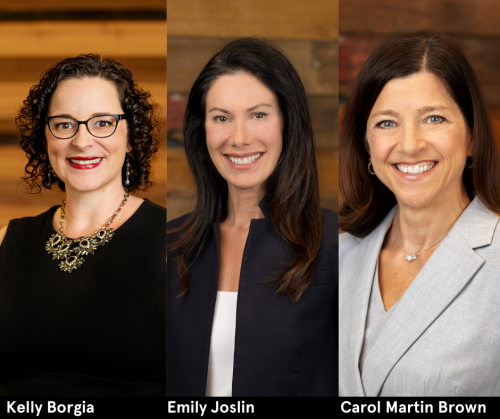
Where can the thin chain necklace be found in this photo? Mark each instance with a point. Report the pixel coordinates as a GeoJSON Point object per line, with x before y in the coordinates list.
{"type": "Point", "coordinates": [71, 258]}
{"type": "Point", "coordinates": [409, 257]}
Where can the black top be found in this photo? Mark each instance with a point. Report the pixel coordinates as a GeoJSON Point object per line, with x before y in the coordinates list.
{"type": "Point", "coordinates": [282, 348]}
{"type": "Point", "coordinates": [99, 330]}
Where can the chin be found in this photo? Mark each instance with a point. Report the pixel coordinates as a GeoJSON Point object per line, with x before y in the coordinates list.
{"type": "Point", "coordinates": [250, 184]}
{"type": "Point", "coordinates": [415, 199]}
{"type": "Point", "coordinates": [84, 186]}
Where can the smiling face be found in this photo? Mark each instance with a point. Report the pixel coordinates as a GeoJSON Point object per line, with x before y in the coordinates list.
{"type": "Point", "coordinates": [418, 141]}
{"type": "Point", "coordinates": [83, 162]}
{"type": "Point", "coordinates": [244, 127]}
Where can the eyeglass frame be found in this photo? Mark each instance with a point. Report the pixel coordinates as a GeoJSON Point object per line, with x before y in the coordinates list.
{"type": "Point", "coordinates": [117, 117]}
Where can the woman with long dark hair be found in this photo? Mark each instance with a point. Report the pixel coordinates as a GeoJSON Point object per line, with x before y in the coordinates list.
{"type": "Point", "coordinates": [82, 286]}
{"type": "Point", "coordinates": [419, 262]}
{"type": "Point", "coordinates": [252, 271]}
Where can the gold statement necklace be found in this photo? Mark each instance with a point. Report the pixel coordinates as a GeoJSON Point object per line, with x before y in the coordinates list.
{"type": "Point", "coordinates": [71, 251]}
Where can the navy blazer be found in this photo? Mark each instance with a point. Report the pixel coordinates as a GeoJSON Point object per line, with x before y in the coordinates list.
{"type": "Point", "coordinates": [282, 348]}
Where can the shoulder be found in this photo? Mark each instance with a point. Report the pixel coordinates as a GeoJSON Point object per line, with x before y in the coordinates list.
{"type": "Point", "coordinates": [330, 221]}
{"type": "Point", "coordinates": [177, 222]}
{"type": "Point", "coordinates": [172, 232]}
{"type": "Point", "coordinates": [30, 222]}
{"type": "Point", "coordinates": [330, 230]}
{"type": "Point", "coordinates": [17, 227]}
{"type": "Point", "coordinates": [151, 216]}
{"type": "Point", "coordinates": [347, 242]}
{"type": "Point", "coordinates": [153, 208]}
{"type": "Point", "coordinates": [2, 234]}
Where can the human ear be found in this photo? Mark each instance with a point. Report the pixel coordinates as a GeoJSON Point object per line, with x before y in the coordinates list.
{"type": "Point", "coordinates": [470, 144]}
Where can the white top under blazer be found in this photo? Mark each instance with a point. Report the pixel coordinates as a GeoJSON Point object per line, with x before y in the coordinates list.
{"type": "Point", "coordinates": [220, 364]}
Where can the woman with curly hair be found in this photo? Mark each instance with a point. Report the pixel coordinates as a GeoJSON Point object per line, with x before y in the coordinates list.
{"type": "Point", "coordinates": [82, 286]}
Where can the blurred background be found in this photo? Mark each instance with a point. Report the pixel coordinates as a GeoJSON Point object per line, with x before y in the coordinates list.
{"type": "Point", "coordinates": [367, 24]}
{"type": "Point", "coordinates": [36, 34]}
{"type": "Point", "coordinates": [307, 32]}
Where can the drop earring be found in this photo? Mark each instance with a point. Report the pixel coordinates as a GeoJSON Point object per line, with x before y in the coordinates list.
{"type": "Point", "coordinates": [49, 176]}
{"type": "Point", "coordinates": [127, 172]}
{"type": "Point", "coordinates": [370, 170]}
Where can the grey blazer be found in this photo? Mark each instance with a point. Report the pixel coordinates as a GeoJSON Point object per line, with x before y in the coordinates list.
{"type": "Point", "coordinates": [443, 337]}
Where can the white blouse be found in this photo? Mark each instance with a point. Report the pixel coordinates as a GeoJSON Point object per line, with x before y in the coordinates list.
{"type": "Point", "coordinates": [220, 364]}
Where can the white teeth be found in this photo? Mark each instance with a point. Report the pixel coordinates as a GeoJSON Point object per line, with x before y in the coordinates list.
{"type": "Point", "coordinates": [93, 161]}
{"type": "Point", "coordinates": [414, 169]}
{"type": "Point", "coordinates": [245, 160]}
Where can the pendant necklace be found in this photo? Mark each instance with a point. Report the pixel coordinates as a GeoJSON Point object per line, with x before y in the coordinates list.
{"type": "Point", "coordinates": [409, 257]}
{"type": "Point", "coordinates": [70, 252]}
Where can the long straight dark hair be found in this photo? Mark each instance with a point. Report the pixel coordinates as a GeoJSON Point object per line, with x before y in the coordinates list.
{"type": "Point", "coordinates": [292, 187]}
{"type": "Point", "coordinates": [365, 199]}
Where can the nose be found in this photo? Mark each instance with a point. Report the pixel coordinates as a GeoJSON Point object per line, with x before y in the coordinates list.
{"type": "Point", "coordinates": [241, 136]}
{"type": "Point", "coordinates": [82, 139]}
{"type": "Point", "coordinates": [411, 140]}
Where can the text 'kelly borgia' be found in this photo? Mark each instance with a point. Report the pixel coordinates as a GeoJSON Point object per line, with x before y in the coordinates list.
{"type": "Point", "coordinates": [52, 407]}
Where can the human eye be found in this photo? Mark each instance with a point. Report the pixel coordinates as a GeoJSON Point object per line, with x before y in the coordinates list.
{"type": "Point", "coordinates": [220, 118]}
{"type": "Point", "coordinates": [64, 126]}
{"type": "Point", "coordinates": [260, 115]}
{"type": "Point", "coordinates": [436, 119]}
{"type": "Point", "coordinates": [103, 122]}
{"type": "Point", "coordinates": [385, 124]}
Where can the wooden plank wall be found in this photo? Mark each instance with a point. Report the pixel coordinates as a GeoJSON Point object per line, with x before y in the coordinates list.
{"type": "Point", "coordinates": [308, 34]}
{"type": "Point", "coordinates": [365, 25]}
{"type": "Point", "coordinates": [36, 35]}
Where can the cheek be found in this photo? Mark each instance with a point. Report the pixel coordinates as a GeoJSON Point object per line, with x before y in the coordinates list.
{"type": "Point", "coordinates": [377, 149]}
{"type": "Point", "coordinates": [215, 136]}
{"type": "Point", "coordinates": [54, 149]}
{"type": "Point", "coordinates": [270, 135]}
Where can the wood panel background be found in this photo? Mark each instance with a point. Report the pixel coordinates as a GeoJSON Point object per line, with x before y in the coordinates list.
{"type": "Point", "coordinates": [365, 25]}
{"type": "Point", "coordinates": [37, 34]}
{"type": "Point", "coordinates": [308, 35]}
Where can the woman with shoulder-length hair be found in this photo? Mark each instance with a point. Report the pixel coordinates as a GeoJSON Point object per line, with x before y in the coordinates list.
{"type": "Point", "coordinates": [252, 271]}
{"type": "Point", "coordinates": [419, 264]}
{"type": "Point", "coordinates": [82, 286]}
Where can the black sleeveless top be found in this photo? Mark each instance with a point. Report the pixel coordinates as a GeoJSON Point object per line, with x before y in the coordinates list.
{"type": "Point", "coordinates": [99, 330]}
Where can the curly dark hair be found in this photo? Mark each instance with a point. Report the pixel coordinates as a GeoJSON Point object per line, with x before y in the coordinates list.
{"type": "Point", "coordinates": [140, 111]}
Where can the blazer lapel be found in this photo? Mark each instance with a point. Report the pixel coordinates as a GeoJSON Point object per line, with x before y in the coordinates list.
{"type": "Point", "coordinates": [446, 273]}
{"type": "Point", "coordinates": [356, 271]}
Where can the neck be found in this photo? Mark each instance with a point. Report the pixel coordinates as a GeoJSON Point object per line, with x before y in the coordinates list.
{"type": "Point", "coordinates": [243, 206]}
{"type": "Point", "coordinates": [419, 227]}
{"type": "Point", "coordinates": [85, 212]}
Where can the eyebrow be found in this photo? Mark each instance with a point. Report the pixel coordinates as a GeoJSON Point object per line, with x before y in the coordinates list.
{"type": "Point", "coordinates": [67, 115]}
{"type": "Point", "coordinates": [419, 110]}
{"type": "Point", "coordinates": [249, 109]}
{"type": "Point", "coordinates": [431, 108]}
{"type": "Point", "coordinates": [259, 105]}
{"type": "Point", "coordinates": [385, 112]}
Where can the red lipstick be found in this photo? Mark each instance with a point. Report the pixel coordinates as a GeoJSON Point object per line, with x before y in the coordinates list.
{"type": "Point", "coordinates": [92, 163]}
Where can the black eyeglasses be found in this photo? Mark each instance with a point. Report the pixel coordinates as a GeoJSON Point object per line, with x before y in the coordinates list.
{"type": "Point", "coordinates": [101, 126]}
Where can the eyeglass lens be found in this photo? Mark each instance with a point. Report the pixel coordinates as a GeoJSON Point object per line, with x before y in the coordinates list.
{"type": "Point", "coordinates": [99, 126]}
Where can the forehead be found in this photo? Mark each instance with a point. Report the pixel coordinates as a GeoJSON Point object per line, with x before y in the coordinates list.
{"type": "Point", "coordinates": [414, 91]}
{"type": "Point", "coordinates": [240, 89]}
{"type": "Point", "coordinates": [87, 94]}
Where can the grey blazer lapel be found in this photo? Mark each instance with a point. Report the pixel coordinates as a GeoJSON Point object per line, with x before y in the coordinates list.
{"type": "Point", "coordinates": [356, 270]}
{"type": "Point", "coordinates": [448, 270]}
